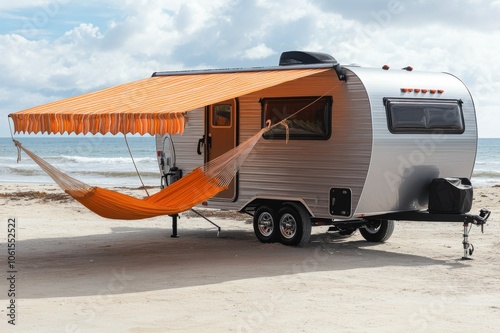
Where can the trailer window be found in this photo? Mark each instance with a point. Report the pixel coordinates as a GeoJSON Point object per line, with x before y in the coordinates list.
{"type": "Point", "coordinates": [424, 116]}
{"type": "Point", "coordinates": [221, 115]}
{"type": "Point", "coordinates": [307, 118]}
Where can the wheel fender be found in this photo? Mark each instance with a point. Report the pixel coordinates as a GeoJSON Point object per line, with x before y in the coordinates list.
{"type": "Point", "coordinates": [276, 203]}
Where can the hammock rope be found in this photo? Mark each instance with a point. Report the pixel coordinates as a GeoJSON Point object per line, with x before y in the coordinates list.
{"type": "Point", "coordinates": [135, 165]}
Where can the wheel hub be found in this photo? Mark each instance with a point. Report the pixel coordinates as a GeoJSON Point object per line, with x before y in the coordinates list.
{"type": "Point", "coordinates": [288, 226]}
{"type": "Point", "coordinates": [265, 224]}
{"type": "Point", "coordinates": [373, 229]}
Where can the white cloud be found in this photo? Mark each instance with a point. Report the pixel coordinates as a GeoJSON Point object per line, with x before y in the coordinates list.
{"type": "Point", "coordinates": [138, 37]}
{"type": "Point", "coordinates": [260, 51]}
{"type": "Point", "coordinates": [288, 11]}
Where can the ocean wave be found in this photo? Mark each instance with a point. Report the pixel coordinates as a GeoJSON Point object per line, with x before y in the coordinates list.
{"type": "Point", "coordinates": [24, 171]}
{"type": "Point", "coordinates": [8, 159]}
{"type": "Point", "coordinates": [35, 171]}
{"type": "Point", "coordinates": [101, 160]}
{"type": "Point", "coordinates": [488, 163]}
{"type": "Point", "coordinates": [486, 174]}
{"type": "Point", "coordinates": [117, 174]}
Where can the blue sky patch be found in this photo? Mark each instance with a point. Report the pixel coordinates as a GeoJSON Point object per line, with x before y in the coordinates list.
{"type": "Point", "coordinates": [52, 21]}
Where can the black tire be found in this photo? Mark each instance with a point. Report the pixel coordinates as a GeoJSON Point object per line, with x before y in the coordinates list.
{"type": "Point", "coordinates": [294, 225]}
{"type": "Point", "coordinates": [265, 225]}
{"type": "Point", "coordinates": [377, 231]}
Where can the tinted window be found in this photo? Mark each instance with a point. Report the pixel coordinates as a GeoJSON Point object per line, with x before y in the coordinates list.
{"type": "Point", "coordinates": [307, 118]}
{"type": "Point", "coordinates": [221, 115]}
{"type": "Point", "coordinates": [423, 116]}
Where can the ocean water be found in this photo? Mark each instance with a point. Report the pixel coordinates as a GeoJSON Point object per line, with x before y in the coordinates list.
{"type": "Point", "coordinates": [105, 161]}
{"type": "Point", "coordinates": [487, 167]}
{"type": "Point", "coordinates": [95, 160]}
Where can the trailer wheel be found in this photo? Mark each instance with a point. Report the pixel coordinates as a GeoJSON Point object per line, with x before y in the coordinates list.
{"type": "Point", "coordinates": [294, 225]}
{"type": "Point", "coordinates": [265, 224]}
{"type": "Point", "coordinates": [377, 230]}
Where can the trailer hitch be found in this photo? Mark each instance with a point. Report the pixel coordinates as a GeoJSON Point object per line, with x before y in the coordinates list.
{"type": "Point", "coordinates": [479, 220]}
{"type": "Point", "coordinates": [426, 216]}
{"type": "Point", "coordinates": [482, 218]}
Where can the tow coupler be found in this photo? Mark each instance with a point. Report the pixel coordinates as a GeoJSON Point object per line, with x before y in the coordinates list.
{"type": "Point", "coordinates": [479, 220]}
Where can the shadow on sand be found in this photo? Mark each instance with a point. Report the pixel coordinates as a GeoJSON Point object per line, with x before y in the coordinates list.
{"type": "Point", "coordinates": [132, 260]}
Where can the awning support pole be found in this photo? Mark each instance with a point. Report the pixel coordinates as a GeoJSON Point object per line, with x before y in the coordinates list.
{"type": "Point", "coordinates": [174, 226]}
{"type": "Point", "coordinates": [206, 218]}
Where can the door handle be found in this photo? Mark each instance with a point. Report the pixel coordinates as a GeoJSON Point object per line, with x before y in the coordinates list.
{"type": "Point", "coordinates": [201, 142]}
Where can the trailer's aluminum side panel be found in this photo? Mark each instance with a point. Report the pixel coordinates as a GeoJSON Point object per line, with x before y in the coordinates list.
{"type": "Point", "coordinates": [308, 169]}
{"type": "Point", "coordinates": [403, 165]}
{"type": "Point", "coordinates": [186, 145]}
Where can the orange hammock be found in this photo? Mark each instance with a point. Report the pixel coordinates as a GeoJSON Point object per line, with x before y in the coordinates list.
{"type": "Point", "coordinates": [189, 191]}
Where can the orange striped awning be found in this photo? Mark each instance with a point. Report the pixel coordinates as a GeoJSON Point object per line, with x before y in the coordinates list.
{"type": "Point", "coordinates": [154, 105]}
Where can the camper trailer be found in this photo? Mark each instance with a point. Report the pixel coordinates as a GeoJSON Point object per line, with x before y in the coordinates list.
{"type": "Point", "coordinates": [362, 147]}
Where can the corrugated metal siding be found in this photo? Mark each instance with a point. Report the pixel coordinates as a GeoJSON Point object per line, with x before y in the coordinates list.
{"type": "Point", "coordinates": [185, 145]}
{"type": "Point", "coordinates": [308, 169]}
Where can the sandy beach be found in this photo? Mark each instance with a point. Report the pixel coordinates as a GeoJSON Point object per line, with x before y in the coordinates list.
{"type": "Point", "coordinates": [78, 272]}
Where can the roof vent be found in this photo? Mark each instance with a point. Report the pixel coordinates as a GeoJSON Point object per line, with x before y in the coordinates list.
{"type": "Point", "coordinates": [305, 58]}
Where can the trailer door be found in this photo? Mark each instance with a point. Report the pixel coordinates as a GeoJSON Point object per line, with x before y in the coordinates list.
{"type": "Point", "coordinates": [221, 133]}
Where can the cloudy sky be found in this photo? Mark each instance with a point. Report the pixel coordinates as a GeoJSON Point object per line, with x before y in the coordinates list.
{"type": "Point", "coordinates": [52, 49]}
